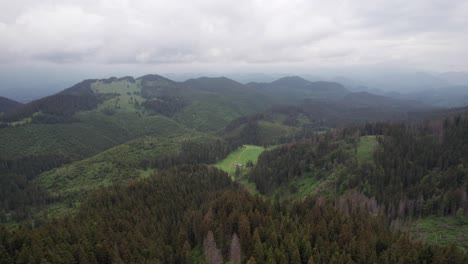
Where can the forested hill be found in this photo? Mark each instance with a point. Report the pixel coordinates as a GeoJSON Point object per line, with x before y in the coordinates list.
{"type": "Point", "coordinates": [294, 89]}
{"type": "Point", "coordinates": [7, 104]}
{"type": "Point", "coordinates": [413, 170]}
{"type": "Point", "coordinates": [195, 214]}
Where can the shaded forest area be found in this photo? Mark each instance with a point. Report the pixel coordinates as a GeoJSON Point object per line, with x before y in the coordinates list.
{"type": "Point", "coordinates": [195, 214]}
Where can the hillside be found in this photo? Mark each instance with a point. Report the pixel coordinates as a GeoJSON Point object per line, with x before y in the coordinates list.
{"type": "Point", "coordinates": [294, 89]}
{"type": "Point", "coordinates": [281, 123]}
{"type": "Point", "coordinates": [116, 165]}
{"type": "Point", "coordinates": [214, 220]}
{"type": "Point", "coordinates": [8, 104]}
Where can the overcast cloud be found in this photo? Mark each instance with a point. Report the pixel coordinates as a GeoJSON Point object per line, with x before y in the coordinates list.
{"type": "Point", "coordinates": [422, 34]}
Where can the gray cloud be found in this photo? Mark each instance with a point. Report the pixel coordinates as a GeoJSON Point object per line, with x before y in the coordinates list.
{"type": "Point", "coordinates": [427, 34]}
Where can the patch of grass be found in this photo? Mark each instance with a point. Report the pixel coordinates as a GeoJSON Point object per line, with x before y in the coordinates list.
{"type": "Point", "coordinates": [240, 156]}
{"type": "Point", "coordinates": [366, 148]}
{"type": "Point", "coordinates": [128, 94]}
{"type": "Point", "coordinates": [441, 230]}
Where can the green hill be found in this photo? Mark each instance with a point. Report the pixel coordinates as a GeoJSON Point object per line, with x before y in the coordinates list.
{"type": "Point", "coordinates": [7, 104]}
{"type": "Point", "coordinates": [93, 133]}
{"type": "Point", "coordinates": [118, 164]}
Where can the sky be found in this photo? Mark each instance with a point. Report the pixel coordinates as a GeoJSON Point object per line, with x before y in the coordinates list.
{"type": "Point", "coordinates": [114, 37]}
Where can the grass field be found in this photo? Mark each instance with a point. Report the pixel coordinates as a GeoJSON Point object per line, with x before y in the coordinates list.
{"type": "Point", "coordinates": [366, 148]}
{"type": "Point", "coordinates": [127, 92]}
{"type": "Point", "coordinates": [441, 230]}
{"type": "Point", "coordinates": [240, 156]}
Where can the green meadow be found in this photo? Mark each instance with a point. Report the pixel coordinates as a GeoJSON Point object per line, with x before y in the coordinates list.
{"type": "Point", "coordinates": [240, 156]}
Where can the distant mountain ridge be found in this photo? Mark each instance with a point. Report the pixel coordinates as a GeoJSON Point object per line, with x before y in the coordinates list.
{"type": "Point", "coordinates": [7, 104]}
{"type": "Point", "coordinates": [82, 96]}
{"type": "Point", "coordinates": [295, 88]}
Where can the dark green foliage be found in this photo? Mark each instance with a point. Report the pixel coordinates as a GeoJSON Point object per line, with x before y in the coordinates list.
{"type": "Point", "coordinates": [192, 152]}
{"type": "Point", "coordinates": [81, 88]}
{"type": "Point", "coordinates": [417, 170]}
{"type": "Point", "coordinates": [154, 86]}
{"type": "Point", "coordinates": [52, 119]}
{"type": "Point", "coordinates": [281, 165]}
{"type": "Point", "coordinates": [18, 195]}
{"type": "Point", "coordinates": [167, 218]}
{"type": "Point", "coordinates": [8, 104]}
{"type": "Point", "coordinates": [56, 105]}
{"type": "Point", "coordinates": [166, 105]}
{"type": "Point", "coordinates": [420, 169]}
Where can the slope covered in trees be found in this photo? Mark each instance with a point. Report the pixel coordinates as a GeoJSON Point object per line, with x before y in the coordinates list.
{"type": "Point", "coordinates": [7, 104]}
{"type": "Point", "coordinates": [195, 214]}
{"type": "Point", "coordinates": [416, 170]}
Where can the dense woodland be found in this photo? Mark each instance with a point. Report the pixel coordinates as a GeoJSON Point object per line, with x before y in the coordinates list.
{"type": "Point", "coordinates": [57, 108]}
{"type": "Point", "coordinates": [195, 214]}
{"type": "Point", "coordinates": [166, 105]}
{"type": "Point", "coordinates": [417, 170]}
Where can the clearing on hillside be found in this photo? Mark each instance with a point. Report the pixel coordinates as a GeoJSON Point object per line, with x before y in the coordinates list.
{"type": "Point", "coordinates": [441, 230]}
{"type": "Point", "coordinates": [366, 148]}
{"type": "Point", "coordinates": [240, 157]}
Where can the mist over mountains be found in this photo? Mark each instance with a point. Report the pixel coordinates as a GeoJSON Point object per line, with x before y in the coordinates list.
{"type": "Point", "coordinates": [448, 89]}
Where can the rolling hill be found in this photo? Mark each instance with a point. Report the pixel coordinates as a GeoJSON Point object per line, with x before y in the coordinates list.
{"type": "Point", "coordinates": [294, 89]}
{"type": "Point", "coordinates": [8, 104]}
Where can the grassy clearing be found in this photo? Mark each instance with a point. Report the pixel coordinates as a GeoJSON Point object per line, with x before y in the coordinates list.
{"type": "Point", "coordinates": [441, 230]}
{"type": "Point", "coordinates": [128, 94]}
{"type": "Point", "coordinates": [366, 148]}
{"type": "Point", "coordinates": [240, 156]}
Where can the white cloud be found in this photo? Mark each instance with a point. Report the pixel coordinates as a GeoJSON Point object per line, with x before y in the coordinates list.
{"type": "Point", "coordinates": [423, 33]}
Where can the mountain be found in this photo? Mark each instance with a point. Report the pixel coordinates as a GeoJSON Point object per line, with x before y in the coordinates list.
{"type": "Point", "coordinates": [8, 104]}
{"type": "Point", "coordinates": [447, 96]}
{"type": "Point", "coordinates": [366, 99]}
{"type": "Point", "coordinates": [455, 78]}
{"type": "Point", "coordinates": [295, 89]}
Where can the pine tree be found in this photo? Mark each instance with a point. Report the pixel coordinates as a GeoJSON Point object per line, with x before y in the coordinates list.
{"type": "Point", "coordinates": [258, 247]}
{"type": "Point", "coordinates": [210, 250]}
{"type": "Point", "coordinates": [235, 253]}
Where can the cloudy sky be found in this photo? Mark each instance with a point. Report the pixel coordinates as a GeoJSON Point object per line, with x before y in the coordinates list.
{"type": "Point", "coordinates": [53, 39]}
{"type": "Point", "coordinates": [426, 34]}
